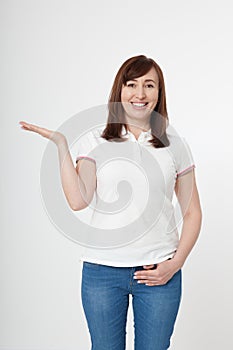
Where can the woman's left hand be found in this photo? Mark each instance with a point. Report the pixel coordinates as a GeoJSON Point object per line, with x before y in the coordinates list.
{"type": "Point", "coordinates": [159, 276]}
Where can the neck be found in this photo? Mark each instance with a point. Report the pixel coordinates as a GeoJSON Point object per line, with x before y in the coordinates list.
{"type": "Point", "coordinates": [137, 129]}
{"type": "Point", "coordinates": [137, 126]}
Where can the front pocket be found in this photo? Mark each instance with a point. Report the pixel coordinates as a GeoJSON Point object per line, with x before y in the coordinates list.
{"type": "Point", "coordinates": [90, 265]}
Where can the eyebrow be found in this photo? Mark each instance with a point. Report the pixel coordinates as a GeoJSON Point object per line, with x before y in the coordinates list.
{"type": "Point", "coordinates": [145, 80]}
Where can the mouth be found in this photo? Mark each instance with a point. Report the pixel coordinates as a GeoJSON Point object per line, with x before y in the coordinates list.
{"type": "Point", "coordinates": [139, 105]}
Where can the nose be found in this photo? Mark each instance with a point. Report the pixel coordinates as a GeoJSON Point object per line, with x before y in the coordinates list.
{"type": "Point", "coordinates": [140, 92]}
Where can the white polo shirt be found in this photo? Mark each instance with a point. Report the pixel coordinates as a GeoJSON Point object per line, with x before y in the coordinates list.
{"type": "Point", "coordinates": [149, 175]}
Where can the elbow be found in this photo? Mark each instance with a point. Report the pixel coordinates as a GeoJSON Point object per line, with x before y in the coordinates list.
{"type": "Point", "coordinates": [82, 204]}
{"type": "Point", "coordinates": [194, 215]}
{"type": "Point", "coordinates": [78, 207]}
{"type": "Point", "coordinates": [74, 208]}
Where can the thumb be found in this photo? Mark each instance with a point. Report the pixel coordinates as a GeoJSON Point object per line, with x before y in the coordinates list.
{"type": "Point", "coordinates": [147, 267]}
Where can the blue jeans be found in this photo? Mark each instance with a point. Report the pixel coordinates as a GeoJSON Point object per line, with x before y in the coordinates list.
{"type": "Point", "coordinates": [105, 298]}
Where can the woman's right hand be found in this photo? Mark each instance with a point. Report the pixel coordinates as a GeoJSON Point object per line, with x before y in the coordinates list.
{"type": "Point", "coordinates": [54, 136]}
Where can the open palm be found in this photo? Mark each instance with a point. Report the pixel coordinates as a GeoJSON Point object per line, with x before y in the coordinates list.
{"type": "Point", "coordinates": [54, 136]}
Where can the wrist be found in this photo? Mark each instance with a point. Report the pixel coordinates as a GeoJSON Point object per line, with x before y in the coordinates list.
{"type": "Point", "coordinates": [178, 262]}
{"type": "Point", "coordinates": [59, 139]}
{"type": "Point", "coordinates": [61, 142]}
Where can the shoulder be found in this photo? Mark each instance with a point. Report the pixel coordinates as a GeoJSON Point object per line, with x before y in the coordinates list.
{"type": "Point", "coordinates": [177, 142]}
{"type": "Point", "coordinates": [91, 135]}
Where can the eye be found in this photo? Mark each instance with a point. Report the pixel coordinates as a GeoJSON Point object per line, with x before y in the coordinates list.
{"type": "Point", "coordinates": [131, 85]}
{"type": "Point", "coordinates": [150, 86]}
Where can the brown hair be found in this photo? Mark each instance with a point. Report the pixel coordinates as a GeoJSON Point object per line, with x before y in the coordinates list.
{"type": "Point", "coordinates": [133, 68]}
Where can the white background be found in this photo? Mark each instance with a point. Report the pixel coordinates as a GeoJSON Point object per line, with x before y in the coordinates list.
{"type": "Point", "coordinates": [59, 58]}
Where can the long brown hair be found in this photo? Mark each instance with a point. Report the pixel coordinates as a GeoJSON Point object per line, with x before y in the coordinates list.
{"type": "Point", "coordinates": [132, 68]}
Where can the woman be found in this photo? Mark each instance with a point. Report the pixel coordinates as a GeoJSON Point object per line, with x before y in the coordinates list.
{"type": "Point", "coordinates": [148, 268]}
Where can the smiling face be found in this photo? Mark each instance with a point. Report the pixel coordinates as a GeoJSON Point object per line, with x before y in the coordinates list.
{"type": "Point", "coordinates": [139, 98]}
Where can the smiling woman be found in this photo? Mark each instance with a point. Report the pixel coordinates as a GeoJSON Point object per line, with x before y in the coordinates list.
{"type": "Point", "coordinates": [140, 89]}
{"type": "Point", "coordinates": [148, 268]}
{"type": "Point", "coordinates": [140, 96]}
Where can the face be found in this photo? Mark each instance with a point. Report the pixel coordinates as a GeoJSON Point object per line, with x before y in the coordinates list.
{"type": "Point", "coordinates": [140, 96]}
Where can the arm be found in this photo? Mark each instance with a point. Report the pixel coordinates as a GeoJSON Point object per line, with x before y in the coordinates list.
{"type": "Point", "coordinates": [188, 198]}
{"type": "Point", "coordinates": [78, 184]}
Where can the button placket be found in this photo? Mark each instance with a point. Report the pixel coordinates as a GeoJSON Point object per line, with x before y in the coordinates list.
{"type": "Point", "coordinates": [138, 143]}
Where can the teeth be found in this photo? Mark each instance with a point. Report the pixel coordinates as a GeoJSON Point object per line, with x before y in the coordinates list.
{"type": "Point", "coordinates": [139, 104]}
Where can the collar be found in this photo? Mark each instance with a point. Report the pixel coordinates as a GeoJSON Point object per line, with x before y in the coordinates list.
{"type": "Point", "coordinates": [143, 137]}
{"type": "Point", "coordinates": [125, 132]}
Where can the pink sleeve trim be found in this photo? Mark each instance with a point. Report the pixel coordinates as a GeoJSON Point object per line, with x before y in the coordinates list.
{"type": "Point", "coordinates": [189, 168]}
{"type": "Point", "coordinates": [86, 157]}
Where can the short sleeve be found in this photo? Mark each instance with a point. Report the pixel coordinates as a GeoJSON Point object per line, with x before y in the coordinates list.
{"type": "Point", "coordinates": [83, 147]}
{"type": "Point", "coordinates": [184, 160]}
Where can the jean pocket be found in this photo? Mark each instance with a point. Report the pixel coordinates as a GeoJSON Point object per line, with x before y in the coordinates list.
{"type": "Point", "coordinates": [90, 265]}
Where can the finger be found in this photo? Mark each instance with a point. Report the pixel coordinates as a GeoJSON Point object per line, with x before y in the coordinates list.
{"type": "Point", "coordinates": [148, 266]}
{"type": "Point", "coordinates": [28, 126]}
{"type": "Point", "coordinates": [146, 273]}
{"type": "Point", "coordinates": [33, 127]}
{"type": "Point", "coordinates": [142, 272]}
{"type": "Point", "coordinates": [150, 283]}
{"type": "Point", "coordinates": [145, 278]}
{"type": "Point", "coordinates": [24, 125]}
{"type": "Point", "coordinates": [155, 283]}
{"type": "Point", "coordinates": [42, 131]}
{"type": "Point", "coordinates": [143, 281]}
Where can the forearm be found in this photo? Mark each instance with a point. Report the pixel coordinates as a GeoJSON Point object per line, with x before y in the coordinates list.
{"type": "Point", "coordinates": [72, 184]}
{"type": "Point", "coordinates": [189, 234]}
